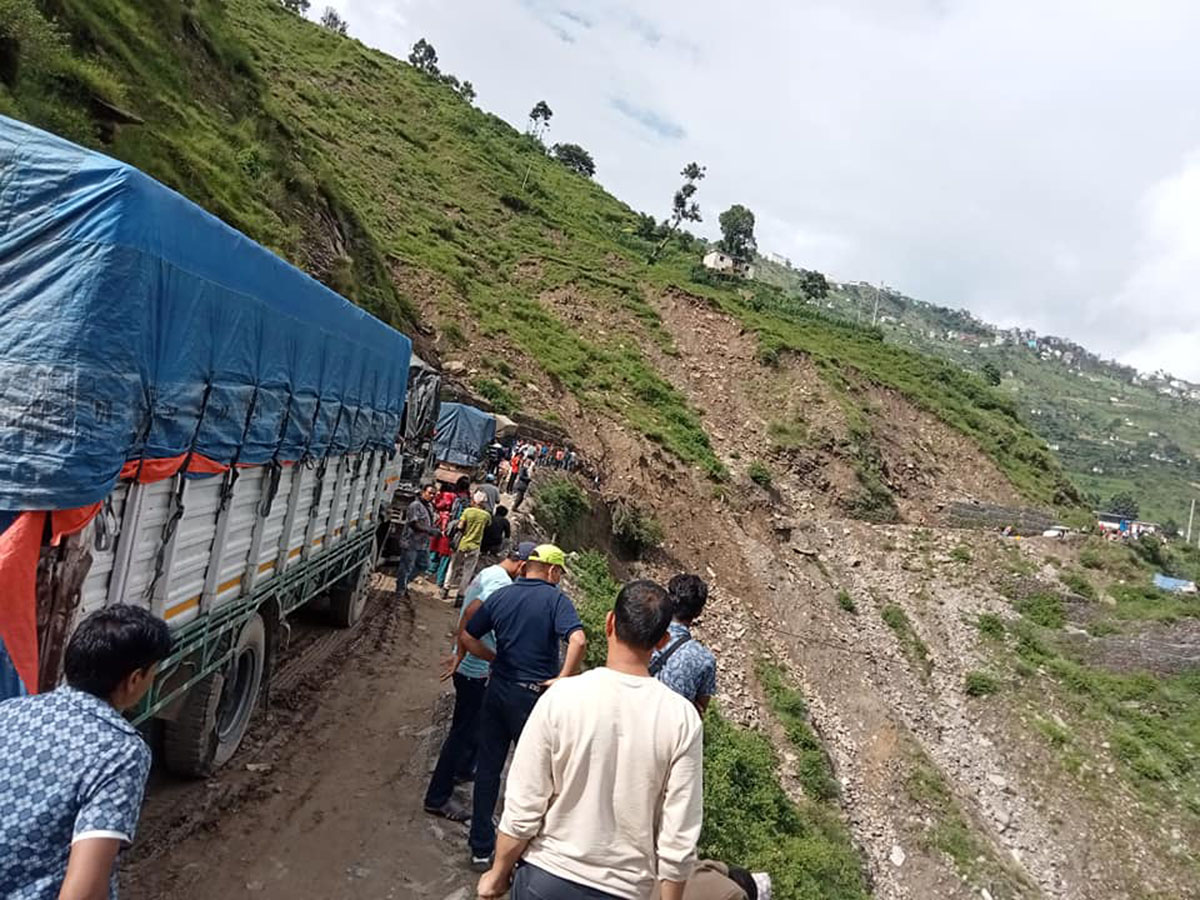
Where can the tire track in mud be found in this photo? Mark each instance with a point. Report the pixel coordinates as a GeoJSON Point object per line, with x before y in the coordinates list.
{"type": "Point", "coordinates": [177, 809]}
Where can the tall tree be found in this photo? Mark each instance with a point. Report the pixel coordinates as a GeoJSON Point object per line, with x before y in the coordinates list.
{"type": "Point", "coordinates": [737, 232]}
{"type": "Point", "coordinates": [468, 91]}
{"type": "Point", "coordinates": [423, 57]}
{"type": "Point", "coordinates": [575, 158]}
{"type": "Point", "coordinates": [1124, 504]}
{"type": "Point", "coordinates": [334, 22]}
{"type": "Point", "coordinates": [683, 207]}
{"type": "Point", "coordinates": [299, 7]}
{"type": "Point", "coordinates": [539, 119]}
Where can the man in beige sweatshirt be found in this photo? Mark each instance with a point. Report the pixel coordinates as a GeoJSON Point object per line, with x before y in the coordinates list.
{"type": "Point", "coordinates": [604, 796]}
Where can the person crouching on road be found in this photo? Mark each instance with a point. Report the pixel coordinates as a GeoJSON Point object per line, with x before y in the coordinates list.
{"type": "Point", "coordinates": [74, 769]}
{"type": "Point", "coordinates": [456, 762]}
{"type": "Point", "coordinates": [470, 527]}
{"type": "Point", "coordinates": [604, 796]}
{"type": "Point", "coordinates": [529, 620]}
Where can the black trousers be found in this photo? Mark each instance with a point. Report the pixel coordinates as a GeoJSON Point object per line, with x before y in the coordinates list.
{"type": "Point", "coordinates": [457, 759]}
{"type": "Point", "coordinates": [506, 706]}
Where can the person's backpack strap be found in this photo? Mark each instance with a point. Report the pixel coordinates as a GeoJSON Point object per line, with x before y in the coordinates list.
{"type": "Point", "coordinates": [657, 665]}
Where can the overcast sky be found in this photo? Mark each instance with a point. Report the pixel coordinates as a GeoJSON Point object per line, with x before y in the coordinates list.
{"type": "Point", "coordinates": [1034, 161]}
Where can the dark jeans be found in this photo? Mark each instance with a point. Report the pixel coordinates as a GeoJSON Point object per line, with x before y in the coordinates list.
{"type": "Point", "coordinates": [506, 706]}
{"type": "Point", "coordinates": [532, 883]}
{"type": "Point", "coordinates": [457, 759]}
{"type": "Point", "coordinates": [409, 567]}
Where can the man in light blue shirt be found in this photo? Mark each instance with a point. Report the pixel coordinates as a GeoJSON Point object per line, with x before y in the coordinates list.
{"type": "Point", "coordinates": [456, 762]}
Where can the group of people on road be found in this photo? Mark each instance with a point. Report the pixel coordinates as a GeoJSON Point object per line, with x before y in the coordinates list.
{"type": "Point", "coordinates": [604, 794]}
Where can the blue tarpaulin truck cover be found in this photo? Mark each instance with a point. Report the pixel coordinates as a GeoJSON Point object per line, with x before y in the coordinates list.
{"type": "Point", "coordinates": [136, 326]}
{"type": "Point", "coordinates": [463, 433]}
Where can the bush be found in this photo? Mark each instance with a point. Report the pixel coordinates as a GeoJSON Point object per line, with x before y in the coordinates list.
{"type": "Point", "coordinates": [990, 625]}
{"type": "Point", "coordinates": [981, 684]}
{"type": "Point", "coordinates": [846, 602]}
{"type": "Point", "coordinates": [502, 399]}
{"type": "Point", "coordinates": [759, 474]}
{"type": "Point", "coordinates": [1043, 609]}
{"type": "Point", "coordinates": [595, 593]}
{"type": "Point", "coordinates": [1079, 584]}
{"type": "Point", "coordinates": [961, 553]}
{"type": "Point", "coordinates": [635, 530]}
{"type": "Point", "coordinates": [561, 504]}
{"type": "Point", "coordinates": [1090, 559]}
{"type": "Point", "coordinates": [749, 819]}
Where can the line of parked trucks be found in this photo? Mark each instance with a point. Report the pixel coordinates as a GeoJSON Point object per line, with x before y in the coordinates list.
{"type": "Point", "coordinates": [190, 424]}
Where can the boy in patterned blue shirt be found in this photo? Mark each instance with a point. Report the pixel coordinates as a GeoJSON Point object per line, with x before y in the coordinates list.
{"type": "Point", "coordinates": [685, 665]}
{"type": "Point", "coordinates": [74, 769]}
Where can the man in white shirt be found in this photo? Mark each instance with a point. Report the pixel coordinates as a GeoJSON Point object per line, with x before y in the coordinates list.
{"type": "Point", "coordinates": [604, 796]}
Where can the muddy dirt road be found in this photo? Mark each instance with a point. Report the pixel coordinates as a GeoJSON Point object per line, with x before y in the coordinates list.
{"type": "Point", "coordinates": [323, 800]}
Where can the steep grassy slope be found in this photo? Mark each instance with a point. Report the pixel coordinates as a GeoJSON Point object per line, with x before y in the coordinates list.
{"type": "Point", "coordinates": [390, 187]}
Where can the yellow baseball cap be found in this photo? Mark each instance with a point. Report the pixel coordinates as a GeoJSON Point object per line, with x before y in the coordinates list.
{"type": "Point", "coordinates": [549, 555]}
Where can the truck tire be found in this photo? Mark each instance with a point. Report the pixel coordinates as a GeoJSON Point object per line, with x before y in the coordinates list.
{"type": "Point", "coordinates": [217, 710]}
{"type": "Point", "coordinates": [348, 598]}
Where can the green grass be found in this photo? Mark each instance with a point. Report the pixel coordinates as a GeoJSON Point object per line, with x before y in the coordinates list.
{"type": "Point", "coordinates": [846, 602]}
{"type": "Point", "coordinates": [910, 642]}
{"type": "Point", "coordinates": [813, 769]}
{"type": "Point", "coordinates": [748, 818]}
{"type": "Point", "coordinates": [981, 684]}
{"type": "Point", "coordinates": [595, 592]}
{"type": "Point", "coordinates": [949, 831]}
{"type": "Point", "coordinates": [961, 553]}
{"type": "Point", "coordinates": [1044, 609]}
{"type": "Point", "coordinates": [990, 626]}
{"type": "Point", "coordinates": [635, 529]}
{"type": "Point", "coordinates": [561, 504]}
{"type": "Point", "coordinates": [502, 399]}
{"type": "Point", "coordinates": [759, 474]}
{"type": "Point", "coordinates": [1079, 583]}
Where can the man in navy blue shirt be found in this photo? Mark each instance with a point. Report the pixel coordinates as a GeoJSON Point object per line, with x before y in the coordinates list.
{"type": "Point", "coordinates": [74, 769]}
{"type": "Point", "coordinates": [529, 619]}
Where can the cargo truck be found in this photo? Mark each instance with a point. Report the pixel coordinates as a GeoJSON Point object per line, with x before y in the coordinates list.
{"type": "Point", "coordinates": [187, 423]}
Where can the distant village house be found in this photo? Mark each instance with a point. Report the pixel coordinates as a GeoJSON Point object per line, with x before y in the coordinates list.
{"type": "Point", "coordinates": [724, 264]}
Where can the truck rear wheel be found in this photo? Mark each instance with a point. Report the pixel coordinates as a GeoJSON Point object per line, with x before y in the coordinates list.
{"type": "Point", "coordinates": [348, 598]}
{"type": "Point", "coordinates": [217, 710]}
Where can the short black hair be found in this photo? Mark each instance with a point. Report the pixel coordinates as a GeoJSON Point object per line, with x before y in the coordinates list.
{"type": "Point", "coordinates": [501, 510]}
{"type": "Point", "coordinates": [745, 881]}
{"type": "Point", "coordinates": [463, 483]}
{"type": "Point", "coordinates": [643, 613]}
{"type": "Point", "coordinates": [111, 644]}
{"type": "Point", "coordinates": [689, 593]}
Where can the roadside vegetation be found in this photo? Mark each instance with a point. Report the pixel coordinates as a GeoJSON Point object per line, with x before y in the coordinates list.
{"type": "Point", "coordinates": [1133, 721]}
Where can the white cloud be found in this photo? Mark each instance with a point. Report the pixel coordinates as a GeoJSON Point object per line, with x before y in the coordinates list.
{"type": "Point", "coordinates": [974, 153]}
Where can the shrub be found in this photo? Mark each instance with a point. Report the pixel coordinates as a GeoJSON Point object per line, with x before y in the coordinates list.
{"type": "Point", "coordinates": [1043, 609]}
{"type": "Point", "coordinates": [561, 503]}
{"type": "Point", "coordinates": [749, 818]}
{"type": "Point", "coordinates": [1078, 583]}
{"type": "Point", "coordinates": [595, 592]}
{"type": "Point", "coordinates": [759, 474]}
{"type": "Point", "coordinates": [812, 765]}
{"type": "Point", "coordinates": [454, 335]}
{"type": "Point", "coordinates": [635, 530]}
{"type": "Point", "coordinates": [990, 625]}
{"type": "Point", "coordinates": [961, 553]}
{"type": "Point", "coordinates": [502, 399]}
{"type": "Point", "coordinates": [845, 601]}
{"type": "Point", "coordinates": [981, 684]}
{"type": "Point", "coordinates": [1090, 559]}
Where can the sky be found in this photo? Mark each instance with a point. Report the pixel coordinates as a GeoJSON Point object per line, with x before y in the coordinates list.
{"type": "Point", "coordinates": [1034, 161]}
